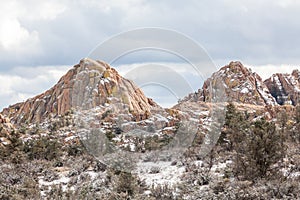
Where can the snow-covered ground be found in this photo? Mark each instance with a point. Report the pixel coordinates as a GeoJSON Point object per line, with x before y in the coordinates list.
{"type": "Point", "coordinates": [159, 173]}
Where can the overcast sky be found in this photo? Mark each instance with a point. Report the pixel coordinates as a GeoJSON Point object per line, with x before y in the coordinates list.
{"type": "Point", "coordinates": [40, 40]}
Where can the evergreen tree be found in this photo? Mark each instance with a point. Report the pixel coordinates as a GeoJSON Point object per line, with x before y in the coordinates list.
{"type": "Point", "coordinates": [265, 148]}
{"type": "Point", "coordinates": [235, 128]}
{"type": "Point", "coordinates": [256, 145]}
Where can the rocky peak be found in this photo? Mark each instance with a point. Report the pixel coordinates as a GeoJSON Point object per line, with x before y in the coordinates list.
{"type": "Point", "coordinates": [241, 85]}
{"type": "Point", "coordinates": [285, 88]}
{"type": "Point", "coordinates": [87, 85]}
{"type": "Point", "coordinates": [236, 67]}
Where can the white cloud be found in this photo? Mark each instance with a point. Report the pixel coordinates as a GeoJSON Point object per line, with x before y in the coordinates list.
{"type": "Point", "coordinates": [266, 71]}
{"type": "Point", "coordinates": [165, 82]}
{"type": "Point", "coordinates": [288, 3]}
{"type": "Point", "coordinates": [33, 10]}
{"type": "Point", "coordinates": [42, 10]}
{"type": "Point", "coordinates": [180, 68]}
{"type": "Point", "coordinates": [53, 32]}
{"type": "Point", "coordinates": [194, 75]}
{"type": "Point", "coordinates": [17, 87]}
{"type": "Point", "coordinates": [15, 37]}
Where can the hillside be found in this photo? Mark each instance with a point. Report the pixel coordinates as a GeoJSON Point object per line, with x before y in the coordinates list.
{"type": "Point", "coordinates": [95, 135]}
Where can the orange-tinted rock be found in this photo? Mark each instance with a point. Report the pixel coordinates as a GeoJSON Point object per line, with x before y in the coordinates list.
{"type": "Point", "coordinates": [239, 85]}
{"type": "Point", "coordinates": [87, 85]}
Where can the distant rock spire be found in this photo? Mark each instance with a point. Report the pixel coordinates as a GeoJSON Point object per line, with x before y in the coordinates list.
{"type": "Point", "coordinates": [285, 87]}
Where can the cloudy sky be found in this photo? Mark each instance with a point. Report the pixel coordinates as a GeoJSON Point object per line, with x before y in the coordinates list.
{"type": "Point", "coordinates": [41, 40]}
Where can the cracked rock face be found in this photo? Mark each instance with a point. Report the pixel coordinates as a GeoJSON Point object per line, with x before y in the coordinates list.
{"type": "Point", "coordinates": [285, 87]}
{"type": "Point", "coordinates": [87, 85]}
{"type": "Point", "coordinates": [241, 85]}
{"type": "Point", "coordinates": [94, 83]}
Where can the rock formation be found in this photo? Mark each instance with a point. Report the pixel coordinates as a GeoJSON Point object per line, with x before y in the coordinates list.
{"type": "Point", "coordinates": [5, 130]}
{"type": "Point", "coordinates": [240, 85]}
{"type": "Point", "coordinates": [94, 83]}
{"type": "Point", "coordinates": [285, 88]}
{"type": "Point", "coordinates": [88, 84]}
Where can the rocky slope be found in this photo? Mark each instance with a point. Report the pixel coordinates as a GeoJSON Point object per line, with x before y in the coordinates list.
{"type": "Point", "coordinates": [240, 85]}
{"type": "Point", "coordinates": [88, 84]}
{"type": "Point", "coordinates": [285, 88]}
{"type": "Point", "coordinates": [6, 129]}
{"type": "Point", "coordinates": [54, 160]}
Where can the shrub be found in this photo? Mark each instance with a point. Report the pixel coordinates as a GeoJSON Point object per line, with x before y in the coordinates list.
{"type": "Point", "coordinates": [42, 148]}
{"type": "Point", "coordinates": [125, 184]}
{"type": "Point", "coordinates": [163, 191]}
{"type": "Point", "coordinates": [75, 149]}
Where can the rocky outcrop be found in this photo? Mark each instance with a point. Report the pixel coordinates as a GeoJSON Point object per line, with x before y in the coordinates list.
{"type": "Point", "coordinates": [94, 83]}
{"type": "Point", "coordinates": [285, 88]}
{"type": "Point", "coordinates": [240, 85]}
{"type": "Point", "coordinates": [87, 85]}
{"type": "Point", "coordinates": [6, 128]}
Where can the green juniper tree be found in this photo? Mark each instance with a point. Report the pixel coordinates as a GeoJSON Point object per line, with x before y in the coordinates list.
{"type": "Point", "coordinates": [256, 145]}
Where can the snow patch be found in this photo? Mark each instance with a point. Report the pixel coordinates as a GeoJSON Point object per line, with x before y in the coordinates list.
{"type": "Point", "coordinates": [245, 90]}
{"type": "Point", "coordinates": [167, 174]}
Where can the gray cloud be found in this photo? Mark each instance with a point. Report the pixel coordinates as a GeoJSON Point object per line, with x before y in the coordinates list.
{"type": "Point", "coordinates": [258, 32]}
{"type": "Point", "coordinates": [61, 32]}
{"type": "Point", "coordinates": [25, 82]}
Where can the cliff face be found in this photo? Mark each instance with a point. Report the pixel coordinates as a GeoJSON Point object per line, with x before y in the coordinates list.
{"type": "Point", "coordinates": [240, 85]}
{"type": "Point", "coordinates": [88, 84]}
{"type": "Point", "coordinates": [285, 88]}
